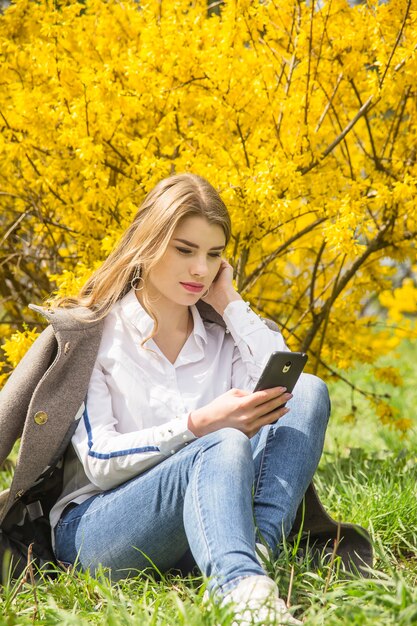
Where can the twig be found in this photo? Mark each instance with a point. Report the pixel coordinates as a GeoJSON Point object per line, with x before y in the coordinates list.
{"type": "Point", "coordinates": [290, 587]}
{"type": "Point", "coordinates": [326, 319]}
{"type": "Point", "coordinates": [339, 124]}
{"type": "Point", "coordinates": [295, 26]}
{"type": "Point", "coordinates": [310, 48]}
{"type": "Point", "coordinates": [27, 572]}
{"type": "Point", "coordinates": [400, 118]}
{"type": "Point", "coordinates": [329, 101]}
{"type": "Point", "coordinates": [259, 270]}
{"type": "Point", "coordinates": [396, 118]}
{"type": "Point", "coordinates": [375, 157]}
{"type": "Point", "coordinates": [14, 226]}
{"type": "Point", "coordinates": [20, 585]}
{"type": "Point", "coordinates": [116, 151]}
{"type": "Point", "coordinates": [323, 34]}
{"type": "Point", "coordinates": [33, 583]}
{"type": "Point", "coordinates": [314, 274]}
{"type": "Point", "coordinates": [37, 172]}
{"type": "Point", "coordinates": [243, 140]}
{"type": "Point", "coordinates": [397, 41]}
{"type": "Point", "coordinates": [364, 108]}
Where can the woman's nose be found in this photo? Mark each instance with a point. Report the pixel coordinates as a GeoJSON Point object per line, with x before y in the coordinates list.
{"type": "Point", "coordinates": [199, 267]}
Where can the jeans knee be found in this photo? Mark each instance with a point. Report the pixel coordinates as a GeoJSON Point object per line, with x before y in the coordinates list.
{"type": "Point", "coordinates": [233, 439]}
{"type": "Point", "coordinates": [313, 390]}
{"type": "Point", "coordinates": [232, 448]}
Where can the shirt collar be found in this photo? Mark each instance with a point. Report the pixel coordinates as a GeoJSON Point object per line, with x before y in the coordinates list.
{"type": "Point", "coordinates": [199, 328]}
{"type": "Point", "coordinates": [134, 312]}
{"type": "Point", "coordinates": [142, 321]}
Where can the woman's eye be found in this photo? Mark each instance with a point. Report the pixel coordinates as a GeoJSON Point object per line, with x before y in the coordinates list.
{"type": "Point", "coordinates": [213, 255]}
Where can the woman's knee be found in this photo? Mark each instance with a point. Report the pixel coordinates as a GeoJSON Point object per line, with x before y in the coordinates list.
{"type": "Point", "coordinates": [233, 436]}
{"type": "Point", "coordinates": [231, 447]}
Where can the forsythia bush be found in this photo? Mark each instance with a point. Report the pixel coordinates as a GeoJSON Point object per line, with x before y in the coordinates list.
{"type": "Point", "coordinates": [303, 115]}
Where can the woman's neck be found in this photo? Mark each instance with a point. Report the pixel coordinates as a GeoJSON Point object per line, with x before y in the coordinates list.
{"type": "Point", "coordinates": [173, 319]}
{"type": "Point", "coordinates": [175, 323]}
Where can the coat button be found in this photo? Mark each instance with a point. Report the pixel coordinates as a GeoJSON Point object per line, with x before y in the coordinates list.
{"type": "Point", "coordinates": [41, 418]}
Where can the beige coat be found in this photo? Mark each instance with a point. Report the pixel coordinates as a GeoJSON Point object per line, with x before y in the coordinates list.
{"type": "Point", "coordinates": [39, 403]}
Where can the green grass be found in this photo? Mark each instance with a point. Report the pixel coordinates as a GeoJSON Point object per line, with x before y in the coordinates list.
{"type": "Point", "coordinates": [368, 475]}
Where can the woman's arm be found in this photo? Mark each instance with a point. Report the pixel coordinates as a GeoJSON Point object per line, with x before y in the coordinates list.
{"type": "Point", "coordinates": [242, 410]}
{"type": "Point", "coordinates": [109, 457]}
{"type": "Point", "coordinates": [254, 342]}
{"type": "Point", "coordinates": [253, 339]}
{"type": "Point", "coordinates": [239, 408]}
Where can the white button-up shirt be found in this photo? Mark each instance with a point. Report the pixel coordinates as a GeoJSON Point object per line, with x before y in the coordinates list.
{"type": "Point", "coordinates": [138, 402]}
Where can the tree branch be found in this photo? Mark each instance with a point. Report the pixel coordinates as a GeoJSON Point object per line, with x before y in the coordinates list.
{"type": "Point", "coordinates": [364, 108]}
{"type": "Point", "coordinates": [271, 257]}
{"type": "Point", "coordinates": [376, 244]}
{"type": "Point", "coordinates": [397, 41]}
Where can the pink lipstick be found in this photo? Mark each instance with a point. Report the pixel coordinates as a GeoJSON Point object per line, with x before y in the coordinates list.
{"type": "Point", "coordinates": [193, 287]}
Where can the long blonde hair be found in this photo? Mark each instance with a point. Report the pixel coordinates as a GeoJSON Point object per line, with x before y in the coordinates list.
{"type": "Point", "coordinates": [145, 241]}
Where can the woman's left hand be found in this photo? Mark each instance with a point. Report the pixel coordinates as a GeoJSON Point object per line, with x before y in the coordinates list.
{"type": "Point", "coordinates": [221, 290]}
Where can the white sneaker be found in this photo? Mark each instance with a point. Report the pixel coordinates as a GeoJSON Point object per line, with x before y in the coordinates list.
{"type": "Point", "coordinates": [256, 601]}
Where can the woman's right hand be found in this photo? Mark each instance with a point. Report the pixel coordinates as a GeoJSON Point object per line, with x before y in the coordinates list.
{"type": "Point", "coordinates": [239, 409]}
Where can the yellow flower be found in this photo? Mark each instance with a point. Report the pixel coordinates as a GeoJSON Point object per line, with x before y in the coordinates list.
{"type": "Point", "coordinates": [389, 375]}
{"type": "Point", "coordinates": [18, 344]}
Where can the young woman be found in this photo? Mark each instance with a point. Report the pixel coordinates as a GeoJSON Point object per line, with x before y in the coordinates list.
{"type": "Point", "coordinates": [170, 450]}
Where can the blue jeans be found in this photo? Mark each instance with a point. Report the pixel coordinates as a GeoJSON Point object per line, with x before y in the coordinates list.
{"type": "Point", "coordinates": [216, 497]}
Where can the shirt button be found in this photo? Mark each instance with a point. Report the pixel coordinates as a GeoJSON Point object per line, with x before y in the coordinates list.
{"type": "Point", "coordinates": [172, 451]}
{"type": "Point", "coordinates": [184, 436]}
{"type": "Point", "coordinates": [40, 418]}
{"type": "Point", "coordinates": [252, 322]}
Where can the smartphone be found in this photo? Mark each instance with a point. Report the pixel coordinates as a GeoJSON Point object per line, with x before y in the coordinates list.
{"type": "Point", "coordinates": [282, 370]}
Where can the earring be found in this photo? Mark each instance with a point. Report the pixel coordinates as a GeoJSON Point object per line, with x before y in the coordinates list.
{"type": "Point", "coordinates": [206, 293]}
{"type": "Point", "coordinates": [135, 280]}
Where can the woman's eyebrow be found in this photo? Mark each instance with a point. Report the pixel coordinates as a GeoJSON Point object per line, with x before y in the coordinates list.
{"type": "Point", "coordinates": [194, 245]}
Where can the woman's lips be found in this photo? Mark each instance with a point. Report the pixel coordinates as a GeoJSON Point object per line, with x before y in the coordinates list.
{"type": "Point", "coordinates": [193, 287]}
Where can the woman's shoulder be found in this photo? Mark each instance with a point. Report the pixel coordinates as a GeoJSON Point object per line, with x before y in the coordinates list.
{"type": "Point", "coordinates": [66, 318]}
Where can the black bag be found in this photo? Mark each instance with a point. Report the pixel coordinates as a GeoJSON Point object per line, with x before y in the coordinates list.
{"type": "Point", "coordinates": [13, 558]}
{"type": "Point", "coordinates": [27, 524]}
{"type": "Point", "coordinates": [17, 550]}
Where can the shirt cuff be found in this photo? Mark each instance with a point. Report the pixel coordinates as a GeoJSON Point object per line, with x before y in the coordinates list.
{"type": "Point", "coordinates": [174, 435]}
{"type": "Point", "coordinates": [240, 320]}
